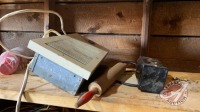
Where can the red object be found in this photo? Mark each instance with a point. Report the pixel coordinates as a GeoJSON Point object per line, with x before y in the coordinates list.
{"type": "Point", "coordinates": [9, 63]}
{"type": "Point", "coordinates": [85, 97]}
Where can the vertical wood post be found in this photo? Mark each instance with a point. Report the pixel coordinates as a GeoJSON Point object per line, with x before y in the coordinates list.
{"type": "Point", "coordinates": [46, 15]}
{"type": "Point", "coordinates": [145, 26]}
{"type": "Point", "coordinates": [49, 18]}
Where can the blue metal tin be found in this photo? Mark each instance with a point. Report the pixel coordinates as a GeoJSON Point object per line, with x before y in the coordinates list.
{"type": "Point", "coordinates": [56, 74]}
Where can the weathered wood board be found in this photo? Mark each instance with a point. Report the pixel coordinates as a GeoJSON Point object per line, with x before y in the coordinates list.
{"type": "Point", "coordinates": [20, 1]}
{"type": "Point", "coordinates": [121, 47]}
{"type": "Point", "coordinates": [124, 48]}
{"type": "Point", "coordinates": [187, 48]}
{"type": "Point", "coordinates": [181, 65]}
{"type": "Point", "coordinates": [22, 22]}
{"type": "Point", "coordinates": [180, 54]}
{"type": "Point", "coordinates": [101, 17]}
{"type": "Point", "coordinates": [176, 18]}
{"type": "Point", "coordinates": [146, 26]}
{"type": "Point", "coordinates": [127, 48]}
{"type": "Point", "coordinates": [125, 17]}
{"type": "Point", "coordinates": [96, 1]}
{"type": "Point", "coordinates": [118, 98]}
{"type": "Point", "coordinates": [119, 17]}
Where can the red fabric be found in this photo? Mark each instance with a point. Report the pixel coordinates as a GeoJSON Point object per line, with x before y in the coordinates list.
{"type": "Point", "coordinates": [9, 63]}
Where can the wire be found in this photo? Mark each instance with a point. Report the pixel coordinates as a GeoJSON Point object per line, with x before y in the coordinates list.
{"type": "Point", "coordinates": [23, 56]}
{"type": "Point", "coordinates": [35, 10]}
{"type": "Point", "coordinates": [31, 10]}
{"type": "Point", "coordinates": [27, 72]}
{"type": "Point", "coordinates": [17, 109]}
{"type": "Point", "coordinates": [50, 31]}
{"type": "Point", "coordinates": [22, 88]}
{"type": "Point", "coordinates": [127, 84]}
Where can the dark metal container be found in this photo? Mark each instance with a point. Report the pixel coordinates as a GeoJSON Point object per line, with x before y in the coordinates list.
{"type": "Point", "coordinates": [151, 74]}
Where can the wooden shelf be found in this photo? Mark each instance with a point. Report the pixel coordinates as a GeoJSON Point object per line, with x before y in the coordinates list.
{"type": "Point", "coordinates": [174, 40]}
{"type": "Point", "coordinates": [117, 98]}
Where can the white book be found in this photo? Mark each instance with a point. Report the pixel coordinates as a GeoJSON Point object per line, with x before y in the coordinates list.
{"type": "Point", "coordinates": [74, 54]}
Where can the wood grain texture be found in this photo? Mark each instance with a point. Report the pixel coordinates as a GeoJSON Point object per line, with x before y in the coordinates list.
{"type": "Point", "coordinates": [126, 17]}
{"type": "Point", "coordinates": [49, 19]}
{"type": "Point", "coordinates": [176, 18]}
{"type": "Point", "coordinates": [20, 1]}
{"type": "Point", "coordinates": [18, 39]}
{"type": "Point", "coordinates": [22, 22]}
{"type": "Point", "coordinates": [181, 65]}
{"type": "Point", "coordinates": [46, 15]}
{"type": "Point", "coordinates": [146, 25]}
{"type": "Point", "coordinates": [123, 17]}
{"type": "Point", "coordinates": [52, 5]}
{"type": "Point", "coordinates": [118, 98]}
{"type": "Point", "coordinates": [97, 1]}
{"type": "Point", "coordinates": [180, 54]}
{"type": "Point", "coordinates": [101, 18]}
{"type": "Point", "coordinates": [187, 48]}
{"type": "Point", "coordinates": [122, 48]}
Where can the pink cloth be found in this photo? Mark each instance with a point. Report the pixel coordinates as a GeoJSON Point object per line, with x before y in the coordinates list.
{"type": "Point", "coordinates": [9, 63]}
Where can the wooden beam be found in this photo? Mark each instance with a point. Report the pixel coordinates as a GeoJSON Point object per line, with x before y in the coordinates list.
{"type": "Point", "coordinates": [46, 15]}
{"type": "Point", "coordinates": [145, 26]}
{"type": "Point", "coordinates": [49, 18]}
{"type": "Point", "coordinates": [52, 6]}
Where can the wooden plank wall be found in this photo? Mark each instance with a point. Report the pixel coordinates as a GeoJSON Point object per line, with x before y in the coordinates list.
{"type": "Point", "coordinates": [17, 30]}
{"type": "Point", "coordinates": [174, 29]}
{"type": "Point", "coordinates": [175, 34]}
{"type": "Point", "coordinates": [116, 24]}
